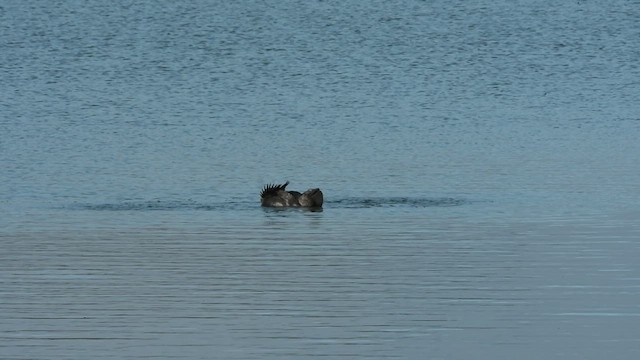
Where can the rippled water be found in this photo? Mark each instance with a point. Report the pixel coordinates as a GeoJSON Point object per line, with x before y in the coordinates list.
{"type": "Point", "coordinates": [478, 160]}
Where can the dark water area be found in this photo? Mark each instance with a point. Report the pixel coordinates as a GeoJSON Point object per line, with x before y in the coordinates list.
{"type": "Point", "coordinates": [478, 162]}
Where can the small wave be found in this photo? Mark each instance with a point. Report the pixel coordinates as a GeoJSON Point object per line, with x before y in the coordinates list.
{"type": "Point", "coordinates": [161, 205]}
{"type": "Point", "coordinates": [396, 202]}
{"type": "Point", "coordinates": [192, 205]}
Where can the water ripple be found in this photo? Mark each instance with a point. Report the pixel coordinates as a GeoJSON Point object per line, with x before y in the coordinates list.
{"type": "Point", "coordinates": [364, 202]}
{"type": "Point", "coordinates": [351, 202]}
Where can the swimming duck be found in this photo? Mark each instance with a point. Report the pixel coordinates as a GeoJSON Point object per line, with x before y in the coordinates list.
{"type": "Point", "coordinates": [276, 195]}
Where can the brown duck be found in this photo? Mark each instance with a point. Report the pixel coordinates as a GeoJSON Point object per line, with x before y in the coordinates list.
{"type": "Point", "coordinates": [274, 195]}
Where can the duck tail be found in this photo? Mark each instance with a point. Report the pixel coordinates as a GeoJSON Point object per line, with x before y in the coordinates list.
{"type": "Point", "coordinates": [272, 189]}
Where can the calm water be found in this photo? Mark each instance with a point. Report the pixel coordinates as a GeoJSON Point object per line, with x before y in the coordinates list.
{"type": "Point", "coordinates": [479, 161]}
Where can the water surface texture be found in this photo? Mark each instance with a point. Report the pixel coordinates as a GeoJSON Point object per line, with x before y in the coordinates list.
{"type": "Point", "coordinates": [479, 161]}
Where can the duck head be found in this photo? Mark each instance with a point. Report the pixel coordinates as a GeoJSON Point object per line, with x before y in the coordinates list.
{"type": "Point", "coordinates": [311, 198]}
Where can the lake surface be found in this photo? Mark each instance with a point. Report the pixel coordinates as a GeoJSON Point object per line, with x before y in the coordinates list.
{"type": "Point", "coordinates": [479, 161]}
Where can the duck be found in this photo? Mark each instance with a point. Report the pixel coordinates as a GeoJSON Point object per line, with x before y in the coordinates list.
{"type": "Point", "coordinates": [276, 195]}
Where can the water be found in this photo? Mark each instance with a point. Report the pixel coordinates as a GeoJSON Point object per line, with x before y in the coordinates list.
{"type": "Point", "coordinates": [478, 160]}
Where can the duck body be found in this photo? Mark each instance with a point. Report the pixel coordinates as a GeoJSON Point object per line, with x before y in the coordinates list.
{"type": "Point", "coordinates": [276, 195]}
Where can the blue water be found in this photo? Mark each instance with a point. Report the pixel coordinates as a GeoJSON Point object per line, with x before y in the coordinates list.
{"type": "Point", "coordinates": [479, 161]}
